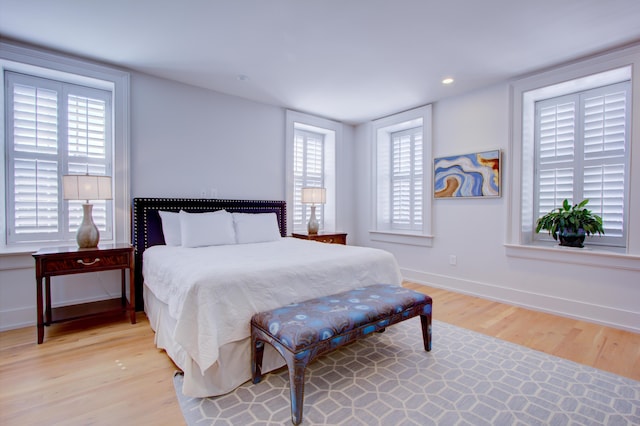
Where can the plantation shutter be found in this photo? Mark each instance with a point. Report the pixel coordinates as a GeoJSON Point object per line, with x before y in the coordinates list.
{"type": "Point", "coordinates": [33, 122]}
{"type": "Point", "coordinates": [308, 172]}
{"type": "Point", "coordinates": [556, 127]}
{"type": "Point", "coordinates": [53, 128]}
{"type": "Point", "coordinates": [605, 151]}
{"type": "Point", "coordinates": [406, 179]}
{"type": "Point", "coordinates": [87, 151]}
{"type": "Point", "coordinates": [582, 144]}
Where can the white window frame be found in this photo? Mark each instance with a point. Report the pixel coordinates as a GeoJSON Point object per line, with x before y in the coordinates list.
{"type": "Point", "coordinates": [41, 63]}
{"type": "Point", "coordinates": [332, 132]}
{"type": "Point", "coordinates": [306, 180]}
{"type": "Point", "coordinates": [69, 213]}
{"type": "Point", "coordinates": [382, 228]}
{"type": "Point", "coordinates": [613, 67]}
{"type": "Point", "coordinates": [573, 161]}
{"type": "Point", "coordinates": [409, 177]}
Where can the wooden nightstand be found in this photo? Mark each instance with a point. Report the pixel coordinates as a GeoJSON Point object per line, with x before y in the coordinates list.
{"type": "Point", "coordinates": [74, 260]}
{"type": "Point", "coordinates": [331, 238]}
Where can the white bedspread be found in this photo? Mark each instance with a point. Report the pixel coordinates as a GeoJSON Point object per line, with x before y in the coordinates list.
{"type": "Point", "coordinates": [212, 292]}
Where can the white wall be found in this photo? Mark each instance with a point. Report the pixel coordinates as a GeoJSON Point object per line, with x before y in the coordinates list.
{"type": "Point", "coordinates": [474, 230]}
{"type": "Point", "coordinates": [186, 140]}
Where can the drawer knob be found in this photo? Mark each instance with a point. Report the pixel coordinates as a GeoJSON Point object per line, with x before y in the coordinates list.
{"type": "Point", "coordinates": [82, 262]}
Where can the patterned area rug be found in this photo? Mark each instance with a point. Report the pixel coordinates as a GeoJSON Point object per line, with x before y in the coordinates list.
{"type": "Point", "coordinates": [467, 379]}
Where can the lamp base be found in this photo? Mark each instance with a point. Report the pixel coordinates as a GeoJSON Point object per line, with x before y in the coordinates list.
{"type": "Point", "coordinates": [88, 235]}
{"type": "Point", "coordinates": [313, 226]}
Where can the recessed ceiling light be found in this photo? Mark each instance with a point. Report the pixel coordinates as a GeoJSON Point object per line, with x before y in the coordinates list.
{"type": "Point", "coordinates": [447, 80]}
{"type": "Point", "coordinates": [242, 77]}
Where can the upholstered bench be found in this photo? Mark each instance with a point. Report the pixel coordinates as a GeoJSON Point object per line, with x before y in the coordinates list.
{"type": "Point", "coordinates": [302, 331]}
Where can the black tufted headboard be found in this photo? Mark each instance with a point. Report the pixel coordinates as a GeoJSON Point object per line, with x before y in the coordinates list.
{"type": "Point", "coordinates": [147, 226]}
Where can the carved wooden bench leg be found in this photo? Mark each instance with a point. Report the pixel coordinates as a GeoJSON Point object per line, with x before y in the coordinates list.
{"type": "Point", "coordinates": [257, 351]}
{"type": "Point", "coordinates": [296, 367]}
{"type": "Point", "coordinates": [425, 320]}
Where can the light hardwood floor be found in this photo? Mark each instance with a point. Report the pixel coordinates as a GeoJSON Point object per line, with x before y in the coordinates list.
{"type": "Point", "coordinates": [109, 372]}
{"type": "Point", "coordinates": [606, 348]}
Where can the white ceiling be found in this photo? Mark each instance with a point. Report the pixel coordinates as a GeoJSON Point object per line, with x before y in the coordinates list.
{"type": "Point", "coordinates": [348, 60]}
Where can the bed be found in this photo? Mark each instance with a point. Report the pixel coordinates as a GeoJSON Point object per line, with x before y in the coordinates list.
{"type": "Point", "coordinates": [200, 294]}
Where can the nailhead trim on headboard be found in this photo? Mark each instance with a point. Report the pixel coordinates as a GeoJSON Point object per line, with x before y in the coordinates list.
{"type": "Point", "coordinates": [144, 237]}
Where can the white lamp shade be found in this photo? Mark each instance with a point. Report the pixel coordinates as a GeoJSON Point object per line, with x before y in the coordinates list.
{"type": "Point", "coordinates": [314, 195]}
{"type": "Point", "coordinates": [86, 187]}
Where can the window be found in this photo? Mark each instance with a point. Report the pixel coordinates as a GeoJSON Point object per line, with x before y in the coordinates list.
{"type": "Point", "coordinates": [80, 110]}
{"type": "Point", "coordinates": [581, 143]}
{"type": "Point", "coordinates": [53, 128]}
{"type": "Point", "coordinates": [584, 78]}
{"type": "Point", "coordinates": [406, 179]}
{"type": "Point", "coordinates": [401, 156]}
{"type": "Point", "coordinates": [311, 162]}
{"type": "Point", "coordinates": [308, 171]}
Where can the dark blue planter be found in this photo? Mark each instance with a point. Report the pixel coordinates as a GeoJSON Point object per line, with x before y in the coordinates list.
{"type": "Point", "coordinates": [572, 239]}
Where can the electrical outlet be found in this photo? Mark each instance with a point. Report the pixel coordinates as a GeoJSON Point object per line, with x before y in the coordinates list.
{"type": "Point", "coordinates": [453, 260]}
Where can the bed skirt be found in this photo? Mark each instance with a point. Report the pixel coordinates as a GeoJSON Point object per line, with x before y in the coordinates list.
{"type": "Point", "coordinates": [232, 368]}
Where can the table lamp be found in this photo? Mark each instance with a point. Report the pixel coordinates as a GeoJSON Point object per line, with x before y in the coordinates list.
{"type": "Point", "coordinates": [313, 196]}
{"type": "Point", "coordinates": [87, 187]}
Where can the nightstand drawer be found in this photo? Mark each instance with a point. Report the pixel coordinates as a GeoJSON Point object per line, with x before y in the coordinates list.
{"type": "Point", "coordinates": [88, 263]}
{"type": "Point", "coordinates": [337, 238]}
{"type": "Point", "coordinates": [332, 239]}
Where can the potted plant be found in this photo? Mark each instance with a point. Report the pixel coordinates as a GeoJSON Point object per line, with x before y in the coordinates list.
{"type": "Point", "coordinates": [570, 223]}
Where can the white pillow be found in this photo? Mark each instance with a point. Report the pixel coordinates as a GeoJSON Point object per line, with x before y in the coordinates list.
{"type": "Point", "coordinates": [256, 228]}
{"type": "Point", "coordinates": [171, 228]}
{"type": "Point", "coordinates": [207, 229]}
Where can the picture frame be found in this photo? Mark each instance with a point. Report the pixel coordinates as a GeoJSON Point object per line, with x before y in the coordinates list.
{"type": "Point", "coordinates": [475, 175]}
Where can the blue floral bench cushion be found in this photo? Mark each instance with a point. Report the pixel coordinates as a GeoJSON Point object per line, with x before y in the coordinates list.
{"type": "Point", "coordinates": [300, 325]}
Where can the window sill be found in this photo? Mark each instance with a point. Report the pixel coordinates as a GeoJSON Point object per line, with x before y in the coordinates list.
{"type": "Point", "coordinates": [588, 256]}
{"type": "Point", "coordinates": [17, 257]}
{"type": "Point", "coordinates": [28, 248]}
{"type": "Point", "coordinates": [406, 238]}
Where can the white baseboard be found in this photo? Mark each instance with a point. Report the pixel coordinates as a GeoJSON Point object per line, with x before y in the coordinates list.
{"type": "Point", "coordinates": [18, 318]}
{"type": "Point", "coordinates": [599, 314]}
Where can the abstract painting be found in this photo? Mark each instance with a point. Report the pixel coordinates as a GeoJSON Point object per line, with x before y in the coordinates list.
{"type": "Point", "coordinates": [469, 175]}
